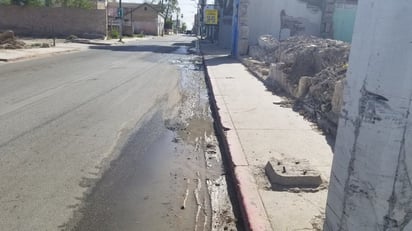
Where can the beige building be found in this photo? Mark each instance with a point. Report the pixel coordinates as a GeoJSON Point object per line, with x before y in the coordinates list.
{"type": "Point", "coordinates": [138, 18]}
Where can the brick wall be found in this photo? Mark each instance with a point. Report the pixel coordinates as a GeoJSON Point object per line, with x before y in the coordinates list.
{"type": "Point", "coordinates": [59, 22]}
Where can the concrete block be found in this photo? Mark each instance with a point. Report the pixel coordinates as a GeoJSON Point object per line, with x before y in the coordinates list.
{"type": "Point", "coordinates": [292, 173]}
{"type": "Point", "coordinates": [337, 99]}
{"type": "Point", "coordinates": [303, 86]}
{"type": "Point", "coordinates": [243, 21]}
{"type": "Point", "coordinates": [244, 32]}
{"type": "Point", "coordinates": [280, 78]}
{"type": "Point", "coordinates": [243, 10]}
{"type": "Point", "coordinates": [243, 46]}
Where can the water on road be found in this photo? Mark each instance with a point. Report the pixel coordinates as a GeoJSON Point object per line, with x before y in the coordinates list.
{"type": "Point", "coordinates": [169, 174]}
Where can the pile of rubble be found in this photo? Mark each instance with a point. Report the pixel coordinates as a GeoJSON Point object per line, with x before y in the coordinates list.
{"type": "Point", "coordinates": [9, 41]}
{"type": "Point", "coordinates": [309, 69]}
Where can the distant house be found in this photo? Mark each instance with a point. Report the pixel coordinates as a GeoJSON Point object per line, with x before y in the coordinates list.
{"type": "Point", "coordinates": [138, 18]}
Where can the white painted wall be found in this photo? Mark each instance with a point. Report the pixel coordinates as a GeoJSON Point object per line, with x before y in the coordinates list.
{"type": "Point", "coordinates": [370, 188]}
{"type": "Point", "coordinates": [264, 17]}
{"type": "Point", "coordinates": [146, 27]}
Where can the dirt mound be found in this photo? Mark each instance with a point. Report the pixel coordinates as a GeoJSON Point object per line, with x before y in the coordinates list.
{"type": "Point", "coordinates": [307, 56]}
{"type": "Point", "coordinates": [309, 69]}
{"type": "Point", "coordinates": [9, 41]}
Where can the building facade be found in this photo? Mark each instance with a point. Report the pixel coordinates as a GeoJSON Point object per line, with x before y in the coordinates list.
{"type": "Point", "coordinates": [137, 18]}
{"type": "Point", "coordinates": [244, 21]}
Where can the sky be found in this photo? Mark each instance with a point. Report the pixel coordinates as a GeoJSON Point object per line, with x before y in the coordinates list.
{"type": "Point", "coordinates": [188, 9]}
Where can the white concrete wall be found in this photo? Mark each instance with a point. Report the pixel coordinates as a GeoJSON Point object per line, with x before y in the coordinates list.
{"type": "Point", "coordinates": [370, 186]}
{"type": "Point", "coordinates": [160, 25]}
{"type": "Point", "coordinates": [146, 27]}
{"type": "Point", "coordinates": [264, 17]}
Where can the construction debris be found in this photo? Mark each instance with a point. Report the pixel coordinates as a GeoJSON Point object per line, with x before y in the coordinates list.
{"type": "Point", "coordinates": [9, 41]}
{"type": "Point", "coordinates": [311, 70]}
{"type": "Point", "coordinates": [292, 173]}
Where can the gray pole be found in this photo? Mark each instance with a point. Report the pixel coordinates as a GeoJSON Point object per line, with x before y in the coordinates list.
{"type": "Point", "coordinates": [121, 21]}
{"type": "Point", "coordinates": [370, 185]}
{"type": "Point", "coordinates": [202, 8]}
{"type": "Point", "coordinates": [235, 28]}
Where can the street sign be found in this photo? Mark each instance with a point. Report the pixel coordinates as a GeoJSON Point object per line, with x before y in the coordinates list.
{"type": "Point", "coordinates": [119, 12]}
{"type": "Point", "coordinates": [211, 17]}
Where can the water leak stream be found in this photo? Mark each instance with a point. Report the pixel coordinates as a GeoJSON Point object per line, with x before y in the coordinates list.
{"type": "Point", "coordinates": [170, 174]}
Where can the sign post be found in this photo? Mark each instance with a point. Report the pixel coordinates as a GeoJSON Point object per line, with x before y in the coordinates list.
{"type": "Point", "coordinates": [211, 17]}
{"type": "Point", "coordinates": [211, 20]}
{"type": "Point", "coordinates": [120, 15]}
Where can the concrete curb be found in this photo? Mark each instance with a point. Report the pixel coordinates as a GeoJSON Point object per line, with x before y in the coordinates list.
{"type": "Point", "coordinates": [252, 209]}
{"type": "Point", "coordinates": [86, 41]}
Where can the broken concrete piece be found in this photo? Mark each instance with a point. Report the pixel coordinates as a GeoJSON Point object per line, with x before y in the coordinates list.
{"type": "Point", "coordinates": [303, 86]}
{"type": "Point", "coordinates": [268, 42]}
{"type": "Point", "coordinates": [7, 35]}
{"type": "Point", "coordinates": [292, 173]}
{"type": "Point", "coordinates": [9, 41]}
{"type": "Point", "coordinates": [337, 98]}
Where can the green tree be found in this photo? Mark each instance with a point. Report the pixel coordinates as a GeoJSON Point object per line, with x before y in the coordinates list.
{"type": "Point", "coordinates": [76, 3]}
{"type": "Point", "coordinates": [168, 7]}
{"type": "Point", "coordinates": [81, 4]}
{"type": "Point", "coordinates": [27, 2]}
{"type": "Point", "coordinates": [50, 3]}
{"type": "Point", "coordinates": [168, 23]}
{"type": "Point", "coordinates": [184, 27]}
{"type": "Point", "coordinates": [34, 2]}
{"type": "Point", "coordinates": [5, 2]}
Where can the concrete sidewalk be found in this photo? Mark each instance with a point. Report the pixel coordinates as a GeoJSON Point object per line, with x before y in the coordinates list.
{"type": "Point", "coordinates": [256, 129]}
{"type": "Point", "coordinates": [11, 55]}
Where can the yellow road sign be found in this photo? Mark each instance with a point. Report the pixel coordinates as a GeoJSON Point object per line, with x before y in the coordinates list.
{"type": "Point", "coordinates": [211, 17]}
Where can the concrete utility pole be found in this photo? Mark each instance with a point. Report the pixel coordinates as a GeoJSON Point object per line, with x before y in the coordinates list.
{"type": "Point", "coordinates": [201, 14]}
{"type": "Point", "coordinates": [371, 187]}
{"type": "Point", "coordinates": [235, 26]}
{"type": "Point", "coordinates": [121, 21]}
{"type": "Point", "coordinates": [240, 32]}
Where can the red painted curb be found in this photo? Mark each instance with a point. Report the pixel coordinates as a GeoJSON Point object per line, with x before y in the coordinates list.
{"type": "Point", "coordinates": [251, 206]}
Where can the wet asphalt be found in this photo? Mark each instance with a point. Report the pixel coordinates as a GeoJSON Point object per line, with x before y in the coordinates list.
{"type": "Point", "coordinates": [169, 174]}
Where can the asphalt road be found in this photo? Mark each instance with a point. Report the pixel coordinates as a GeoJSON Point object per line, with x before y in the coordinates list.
{"type": "Point", "coordinates": [64, 119]}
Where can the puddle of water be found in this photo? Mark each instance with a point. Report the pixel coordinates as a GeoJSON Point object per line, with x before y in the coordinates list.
{"type": "Point", "coordinates": [145, 188]}
{"type": "Point", "coordinates": [182, 50]}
